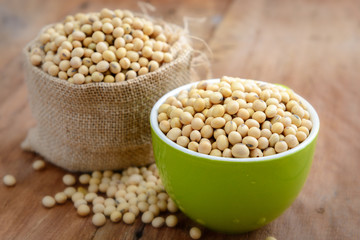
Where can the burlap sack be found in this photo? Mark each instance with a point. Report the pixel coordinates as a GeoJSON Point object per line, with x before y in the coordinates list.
{"type": "Point", "coordinates": [99, 126]}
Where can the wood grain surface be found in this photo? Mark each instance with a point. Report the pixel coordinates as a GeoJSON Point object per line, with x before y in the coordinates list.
{"type": "Point", "coordinates": [310, 46]}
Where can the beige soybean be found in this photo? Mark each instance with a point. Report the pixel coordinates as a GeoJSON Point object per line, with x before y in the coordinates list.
{"type": "Point", "coordinates": [263, 143]}
{"type": "Point", "coordinates": [197, 123]}
{"type": "Point", "coordinates": [270, 238]}
{"type": "Point", "coordinates": [195, 135]}
{"type": "Point", "coordinates": [83, 210]}
{"type": "Point", "coordinates": [38, 165]}
{"type": "Point", "coordinates": [76, 196]}
{"type": "Point", "coordinates": [234, 137]}
{"type": "Point", "coordinates": [98, 219]}
{"type": "Point", "coordinates": [218, 122]}
{"type": "Point", "coordinates": [147, 217]}
{"type": "Point", "coordinates": [243, 130]}
{"type": "Point", "coordinates": [174, 133]}
{"type": "Point", "coordinates": [69, 179]}
{"type": "Point", "coordinates": [162, 205]}
{"type": "Point", "coordinates": [222, 142]}
{"type": "Point", "coordinates": [69, 191]}
{"type": "Point", "coordinates": [9, 180]}
{"type": "Point", "coordinates": [271, 111]}
{"type": "Point", "coordinates": [183, 141]}
{"type": "Point", "coordinates": [240, 150]}
{"type": "Point", "coordinates": [115, 216]}
{"type": "Point", "coordinates": [171, 221]}
{"type": "Point", "coordinates": [172, 207]}
{"type": "Point", "coordinates": [89, 197]}
{"type": "Point", "coordinates": [129, 218]}
{"type": "Point", "coordinates": [291, 140]}
{"type": "Point", "coordinates": [195, 233]}
{"type": "Point", "coordinates": [98, 208]}
{"type": "Point", "coordinates": [158, 222]}
{"type": "Point", "coordinates": [230, 126]}
{"type": "Point", "coordinates": [79, 202]}
{"type": "Point", "coordinates": [256, 153]}
{"type": "Point", "coordinates": [281, 146]}
{"type": "Point", "coordinates": [269, 151]}
{"type": "Point", "coordinates": [252, 123]}
{"type": "Point", "coordinates": [218, 111]}
{"type": "Point", "coordinates": [60, 197]}
{"type": "Point", "coordinates": [204, 147]}
{"type": "Point", "coordinates": [48, 202]}
{"type": "Point", "coordinates": [254, 132]}
{"type": "Point", "coordinates": [301, 136]}
{"type": "Point", "coordinates": [193, 146]}
{"type": "Point", "coordinates": [84, 178]}
{"type": "Point", "coordinates": [259, 116]}
{"type": "Point", "coordinates": [277, 127]}
{"type": "Point", "coordinates": [259, 105]}
{"type": "Point", "coordinates": [265, 133]}
{"type": "Point", "coordinates": [250, 142]}
{"type": "Point", "coordinates": [186, 118]}
{"type": "Point", "coordinates": [207, 131]}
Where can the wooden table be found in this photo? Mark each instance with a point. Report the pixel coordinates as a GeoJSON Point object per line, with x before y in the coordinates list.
{"type": "Point", "coordinates": [311, 46]}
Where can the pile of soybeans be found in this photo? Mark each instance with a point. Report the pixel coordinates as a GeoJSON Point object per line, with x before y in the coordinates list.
{"type": "Point", "coordinates": [109, 46]}
{"type": "Point", "coordinates": [235, 118]}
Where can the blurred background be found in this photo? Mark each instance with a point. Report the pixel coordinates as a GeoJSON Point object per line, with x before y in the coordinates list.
{"type": "Point", "coordinates": [311, 46]}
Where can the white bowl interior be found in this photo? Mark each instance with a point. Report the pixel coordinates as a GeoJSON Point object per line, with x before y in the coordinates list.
{"type": "Point", "coordinates": [154, 124]}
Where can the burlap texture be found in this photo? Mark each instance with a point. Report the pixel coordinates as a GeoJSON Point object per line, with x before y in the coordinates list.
{"type": "Point", "coordinates": [99, 126]}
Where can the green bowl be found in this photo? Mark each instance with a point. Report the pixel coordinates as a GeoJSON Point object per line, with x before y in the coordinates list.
{"type": "Point", "coordinates": [227, 194]}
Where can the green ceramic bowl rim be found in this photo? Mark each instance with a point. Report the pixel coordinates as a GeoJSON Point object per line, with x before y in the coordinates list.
{"type": "Point", "coordinates": [154, 125]}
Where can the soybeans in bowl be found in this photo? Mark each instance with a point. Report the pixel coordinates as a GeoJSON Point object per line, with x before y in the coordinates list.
{"type": "Point", "coordinates": [233, 153]}
{"type": "Point", "coordinates": [235, 118]}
